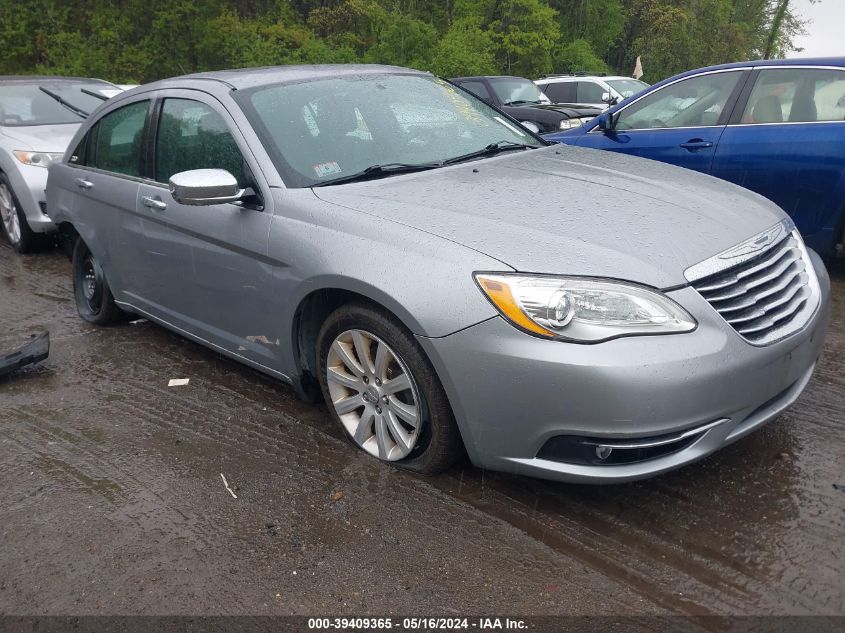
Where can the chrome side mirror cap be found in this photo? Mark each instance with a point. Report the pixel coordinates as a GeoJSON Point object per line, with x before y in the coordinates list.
{"type": "Point", "coordinates": [201, 187]}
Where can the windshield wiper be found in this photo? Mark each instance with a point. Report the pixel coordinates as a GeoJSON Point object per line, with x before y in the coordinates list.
{"type": "Point", "coordinates": [93, 93]}
{"type": "Point", "coordinates": [520, 102]}
{"type": "Point", "coordinates": [490, 150]}
{"type": "Point", "coordinates": [65, 103]}
{"type": "Point", "coordinates": [374, 171]}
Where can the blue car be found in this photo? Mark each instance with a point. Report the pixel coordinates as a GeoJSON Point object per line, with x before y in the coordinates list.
{"type": "Point", "coordinates": [776, 127]}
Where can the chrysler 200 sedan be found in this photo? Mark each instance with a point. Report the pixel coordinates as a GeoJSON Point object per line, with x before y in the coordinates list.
{"type": "Point", "coordinates": [445, 280]}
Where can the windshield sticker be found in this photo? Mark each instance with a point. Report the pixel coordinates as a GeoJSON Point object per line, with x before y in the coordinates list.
{"type": "Point", "coordinates": [326, 169]}
{"type": "Point", "coordinates": [512, 128]}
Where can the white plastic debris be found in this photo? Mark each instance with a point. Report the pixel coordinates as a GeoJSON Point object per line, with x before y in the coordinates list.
{"type": "Point", "coordinates": [178, 382]}
{"type": "Point", "coordinates": [226, 484]}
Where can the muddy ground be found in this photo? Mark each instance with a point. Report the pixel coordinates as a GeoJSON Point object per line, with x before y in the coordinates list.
{"type": "Point", "coordinates": [111, 500]}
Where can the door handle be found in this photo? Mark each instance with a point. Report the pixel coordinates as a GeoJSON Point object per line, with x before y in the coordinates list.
{"type": "Point", "coordinates": [153, 203]}
{"type": "Point", "coordinates": [83, 184]}
{"type": "Point", "coordinates": [696, 144]}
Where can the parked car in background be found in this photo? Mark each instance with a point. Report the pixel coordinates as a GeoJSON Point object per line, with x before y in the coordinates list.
{"type": "Point", "coordinates": [597, 91]}
{"type": "Point", "coordinates": [555, 311]}
{"type": "Point", "coordinates": [38, 117]}
{"type": "Point", "coordinates": [776, 127]}
{"type": "Point", "coordinates": [521, 99]}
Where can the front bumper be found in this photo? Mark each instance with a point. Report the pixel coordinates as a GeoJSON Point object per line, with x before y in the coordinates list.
{"type": "Point", "coordinates": [512, 393]}
{"type": "Point", "coordinates": [29, 184]}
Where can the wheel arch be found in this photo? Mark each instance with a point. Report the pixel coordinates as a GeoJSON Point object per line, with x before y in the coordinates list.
{"type": "Point", "coordinates": [313, 309]}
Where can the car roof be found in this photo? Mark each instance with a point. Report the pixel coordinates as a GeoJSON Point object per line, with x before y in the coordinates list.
{"type": "Point", "coordinates": [28, 79]}
{"type": "Point", "coordinates": [249, 77]}
{"type": "Point", "coordinates": [554, 78]}
{"type": "Point", "coordinates": [487, 77]}
{"type": "Point", "coordinates": [805, 61]}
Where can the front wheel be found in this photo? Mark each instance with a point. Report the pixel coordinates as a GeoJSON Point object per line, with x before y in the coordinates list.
{"type": "Point", "coordinates": [94, 300]}
{"type": "Point", "coordinates": [13, 220]}
{"type": "Point", "coordinates": [381, 388]}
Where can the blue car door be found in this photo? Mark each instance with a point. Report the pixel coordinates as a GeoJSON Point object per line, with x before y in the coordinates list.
{"type": "Point", "coordinates": [787, 143]}
{"type": "Point", "coordinates": [679, 123]}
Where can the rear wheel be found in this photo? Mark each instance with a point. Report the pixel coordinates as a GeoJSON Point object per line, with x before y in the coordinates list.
{"type": "Point", "coordinates": [13, 220]}
{"type": "Point", "coordinates": [94, 300]}
{"type": "Point", "coordinates": [382, 390]}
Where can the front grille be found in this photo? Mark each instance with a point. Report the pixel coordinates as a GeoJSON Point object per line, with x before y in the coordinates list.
{"type": "Point", "coordinates": [764, 298]}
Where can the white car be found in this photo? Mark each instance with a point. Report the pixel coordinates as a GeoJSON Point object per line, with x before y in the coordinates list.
{"type": "Point", "coordinates": [594, 90]}
{"type": "Point", "coordinates": [38, 117]}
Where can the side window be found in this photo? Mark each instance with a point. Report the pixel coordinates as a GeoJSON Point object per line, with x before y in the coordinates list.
{"type": "Point", "coordinates": [114, 144]}
{"type": "Point", "coordinates": [478, 89]}
{"type": "Point", "coordinates": [589, 92]}
{"type": "Point", "coordinates": [694, 102]}
{"type": "Point", "coordinates": [560, 92]}
{"type": "Point", "coordinates": [191, 135]}
{"type": "Point", "coordinates": [797, 95]}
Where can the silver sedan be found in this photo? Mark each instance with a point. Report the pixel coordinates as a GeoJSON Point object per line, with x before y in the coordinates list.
{"type": "Point", "coordinates": [38, 117]}
{"type": "Point", "coordinates": [446, 281]}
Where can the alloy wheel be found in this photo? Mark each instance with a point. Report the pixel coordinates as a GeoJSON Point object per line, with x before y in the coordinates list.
{"type": "Point", "coordinates": [374, 394]}
{"type": "Point", "coordinates": [9, 215]}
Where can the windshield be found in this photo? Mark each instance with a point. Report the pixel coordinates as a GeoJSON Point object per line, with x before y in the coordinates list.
{"type": "Point", "coordinates": [322, 130]}
{"type": "Point", "coordinates": [26, 104]}
{"type": "Point", "coordinates": [515, 90]}
{"type": "Point", "coordinates": [627, 87]}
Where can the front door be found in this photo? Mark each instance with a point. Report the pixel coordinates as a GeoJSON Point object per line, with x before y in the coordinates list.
{"type": "Point", "coordinates": [680, 123]}
{"type": "Point", "coordinates": [213, 273]}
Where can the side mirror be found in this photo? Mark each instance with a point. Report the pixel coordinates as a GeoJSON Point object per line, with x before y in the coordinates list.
{"type": "Point", "coordinates": [609, 99]}
{"type": "Point", "coordinates": [605, 121]}
{"type": "Point", "coordinates": [200, 187]}
{"type": "Point", "coordinates": [531, 126]}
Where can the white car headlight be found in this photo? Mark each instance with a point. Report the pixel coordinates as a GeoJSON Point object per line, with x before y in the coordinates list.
{"type": "Point", "coordinates": [581, 309]}
{"type": "Point", "coordinates": [565, 124]}
{"type": "Point", "coordinates": [37, 159]}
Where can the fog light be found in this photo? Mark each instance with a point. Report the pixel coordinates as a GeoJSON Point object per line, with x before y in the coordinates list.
{"type": "Point", "coordinates": [603, 452]}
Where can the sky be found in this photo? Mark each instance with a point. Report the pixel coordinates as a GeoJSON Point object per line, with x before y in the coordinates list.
{"type": "Point", "coordinates": [825, 37]}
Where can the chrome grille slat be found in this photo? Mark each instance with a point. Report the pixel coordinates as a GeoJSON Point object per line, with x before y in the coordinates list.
{"type": "Point", "coordinates": [763, 311]}
{"type": "Point", "coordinates": [763, 296]}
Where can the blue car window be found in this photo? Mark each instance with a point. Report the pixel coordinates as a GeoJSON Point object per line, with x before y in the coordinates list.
{"type": "Point", "coordinates": [694, 102]}
{"type": "Point", "coordinates": [797, 96]}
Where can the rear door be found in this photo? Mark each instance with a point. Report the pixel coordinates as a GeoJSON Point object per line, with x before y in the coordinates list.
{"type": "Point", "coordinates": [215, 279]}
{"type": "Point", "coordinates": [105, 172]}
{"type": "Point", "coordinates": [680, 123]}
{"type": "Point", "coordinates": [560, 91]}
{"type": "Point", "coordinates": [787, 142]}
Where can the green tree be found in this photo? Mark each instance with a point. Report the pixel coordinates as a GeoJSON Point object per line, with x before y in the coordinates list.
{"type": "Point", "coordinates": [524, 34]}
{"type": "Point", "coordinates": [465, 49]}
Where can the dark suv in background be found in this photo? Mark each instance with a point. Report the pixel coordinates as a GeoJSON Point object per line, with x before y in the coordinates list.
{"type": "Point", "coordinates": [524, 101]}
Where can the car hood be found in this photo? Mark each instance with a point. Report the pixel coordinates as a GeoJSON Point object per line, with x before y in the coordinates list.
{"type": "Point", "coordinates": [42, 138]}
{"type": "Point", "coordinates": [569, 210]}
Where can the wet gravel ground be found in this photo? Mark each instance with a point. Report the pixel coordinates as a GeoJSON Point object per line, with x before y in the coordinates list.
{"type": "Point", "coordinates": [111, 500]}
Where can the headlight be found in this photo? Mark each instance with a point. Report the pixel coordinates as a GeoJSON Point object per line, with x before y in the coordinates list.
{"type": "Point", "coordinates": [565, 124]}
{"type": "Point", "coordinates": [37, 159]}
{"type": "Point", "coordinates": [581, 309]}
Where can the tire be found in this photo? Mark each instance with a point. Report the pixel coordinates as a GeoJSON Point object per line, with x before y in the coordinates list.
{"type": "Point", "coordinates": [94, 300]}
{"type": "Point", "coordinates": [371, 403]}
{"type": "Point", "coordinates": [13, 220]}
